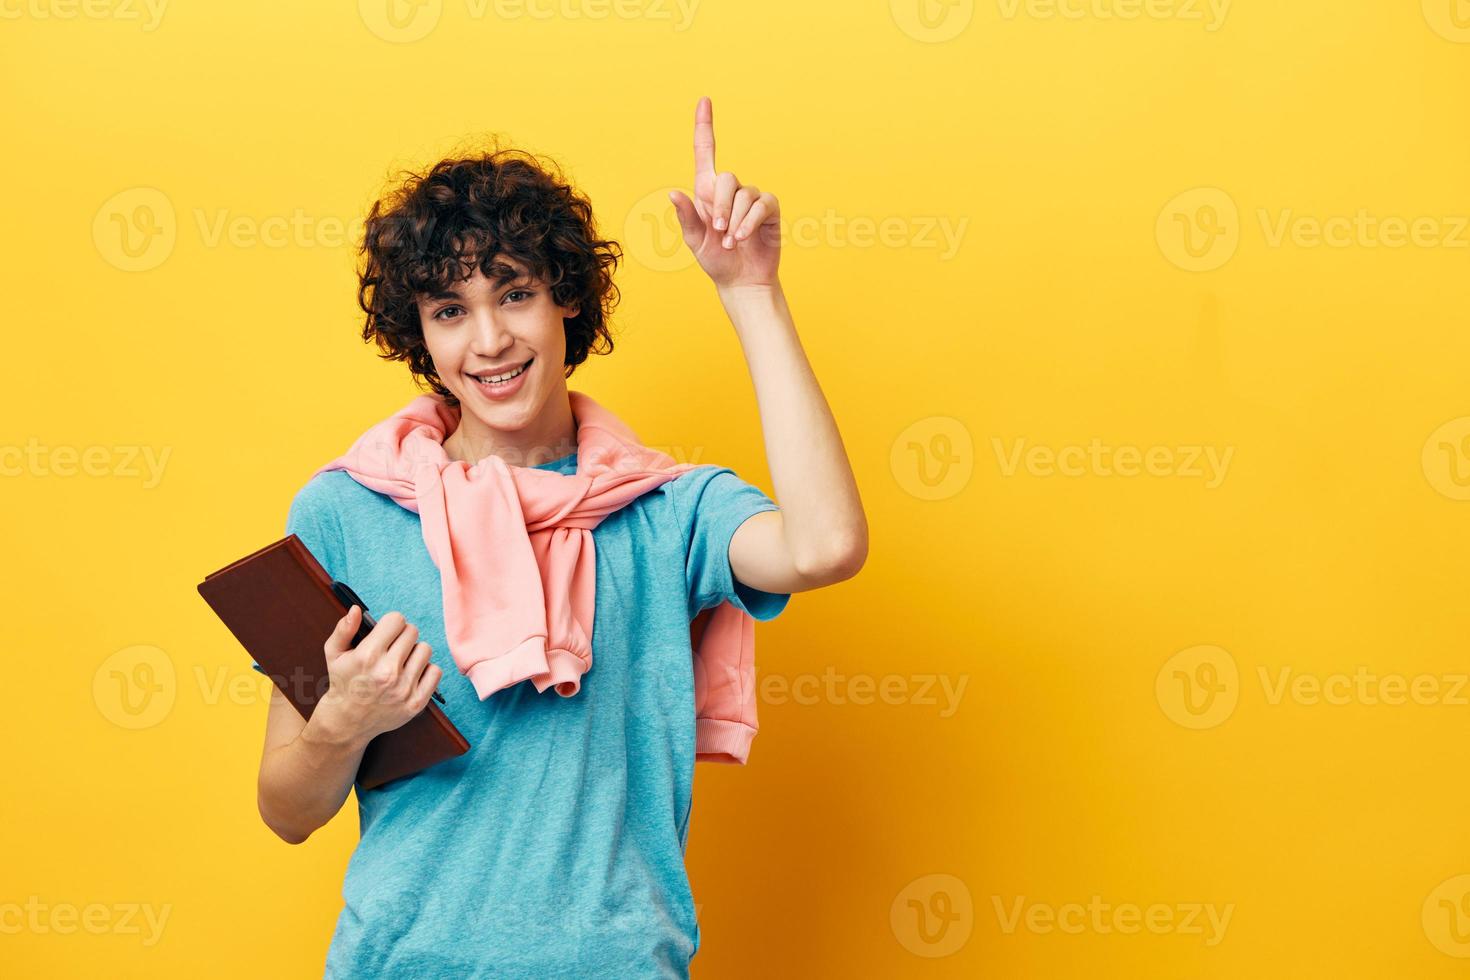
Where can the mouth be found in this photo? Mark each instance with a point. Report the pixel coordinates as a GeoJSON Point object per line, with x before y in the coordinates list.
{"type": "Point", "coordinates": [505, 384]}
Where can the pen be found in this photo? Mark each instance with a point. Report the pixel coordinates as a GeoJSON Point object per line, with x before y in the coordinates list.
{"type": "Point", "coordinates": [349, 599]}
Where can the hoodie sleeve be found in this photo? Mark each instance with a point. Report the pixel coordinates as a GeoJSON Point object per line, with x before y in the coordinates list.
{"type": "Point", "coordinates": [712, 503]}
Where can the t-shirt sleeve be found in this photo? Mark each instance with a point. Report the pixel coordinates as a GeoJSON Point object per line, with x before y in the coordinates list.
{"type": "Point", "coordinates": [712, 502]}
{"type": "Point", "coordinates": [313, 518]}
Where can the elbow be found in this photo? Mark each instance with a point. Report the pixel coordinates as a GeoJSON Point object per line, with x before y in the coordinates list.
{"type": "Point", "coordinates": [288, 834]}
{"type": "Point", "coordinates": [839, 563]}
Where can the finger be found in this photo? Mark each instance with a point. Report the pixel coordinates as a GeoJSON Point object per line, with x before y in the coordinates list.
{"type": "Point", "coordinates": [427, 682]}
{"type": "Point", "coordinates": [690, 221]}
{"type": "Point", "coordinates": [387, 629]}
{"type": "Point", "coordinates": [760, 213]}
{"type": "Point", "coordinates": [726, 184]}
{"type": "Point", "coordinates": [413, 669]}
{"type": "Point", "coordinates": [704, 141]}
{"type": "Point", "coordinates": [340, 640]}
{"type": "Point", "coordinates": [744, 198]}
{"type": "Point", "coordinates": [402, 646]}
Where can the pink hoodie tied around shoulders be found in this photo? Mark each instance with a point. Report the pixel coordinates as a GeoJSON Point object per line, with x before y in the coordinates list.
{"type": "Point", "coordinates": [514, 549]}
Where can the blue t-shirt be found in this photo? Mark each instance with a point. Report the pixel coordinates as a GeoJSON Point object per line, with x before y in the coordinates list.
{"type": "Point", "coordinates": [555, 845]}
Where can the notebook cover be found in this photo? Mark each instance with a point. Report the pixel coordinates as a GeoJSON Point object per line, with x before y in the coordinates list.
{"type": "Point", "coordinates": [279, 603]}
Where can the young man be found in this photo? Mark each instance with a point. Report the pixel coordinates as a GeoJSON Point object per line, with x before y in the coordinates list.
{"type": "Point", "coordinates": [555, 845]}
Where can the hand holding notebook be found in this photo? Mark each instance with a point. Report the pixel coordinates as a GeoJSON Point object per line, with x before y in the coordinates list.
{"type": "Point", "coordinates": [282, 606]}
{"type": "Point", "coordinates": [380, 673]}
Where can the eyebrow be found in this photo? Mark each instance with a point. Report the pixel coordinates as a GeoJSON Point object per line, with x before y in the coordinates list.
{"type": "Point", "coordinates": [505, 275]}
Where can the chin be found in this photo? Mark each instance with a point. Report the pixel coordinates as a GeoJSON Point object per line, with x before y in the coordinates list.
{"type": "Point", "coordinates": [504, 417]}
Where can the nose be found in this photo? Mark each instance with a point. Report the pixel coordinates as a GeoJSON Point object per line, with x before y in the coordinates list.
{"type": "Point", "coordinates": [490, 337]}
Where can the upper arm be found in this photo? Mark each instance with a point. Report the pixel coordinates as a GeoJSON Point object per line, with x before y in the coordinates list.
{"type": "Point", "coordinates": [759, 557]}
{"type": "Point", "coordinates": [712, 506]}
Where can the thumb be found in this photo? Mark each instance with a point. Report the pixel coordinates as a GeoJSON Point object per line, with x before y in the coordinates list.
{"type": "Point", "coordinates": [689, 220]}
{"type": "Point", "coordinates": [341, 639]}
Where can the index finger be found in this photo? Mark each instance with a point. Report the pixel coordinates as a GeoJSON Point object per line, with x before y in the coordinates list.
{"type": "Point", "coordinates": [704, 139]}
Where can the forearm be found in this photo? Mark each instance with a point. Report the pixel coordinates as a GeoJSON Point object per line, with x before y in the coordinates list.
{"type": "Point", "coordinates": [304, 783]}
{"type": "Point", "coordinates": [823, 518]}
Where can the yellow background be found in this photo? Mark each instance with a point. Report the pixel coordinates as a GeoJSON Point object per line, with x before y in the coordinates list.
{"type": "Point", "coordinates": [891, 838]}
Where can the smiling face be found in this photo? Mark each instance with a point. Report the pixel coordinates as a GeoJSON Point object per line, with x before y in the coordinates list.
{"type": "Point", "coordinates": [508, 327]}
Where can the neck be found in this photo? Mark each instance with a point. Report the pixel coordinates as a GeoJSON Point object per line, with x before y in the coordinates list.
{"type": "Point", "coordinates": [551, 436]}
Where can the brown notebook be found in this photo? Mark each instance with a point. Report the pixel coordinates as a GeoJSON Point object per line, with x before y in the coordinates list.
{"type": "Point", "coordinates": [282, 605]}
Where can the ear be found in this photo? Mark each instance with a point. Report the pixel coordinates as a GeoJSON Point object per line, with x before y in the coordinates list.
{"type": "Point", "coordinates": [574, 311]}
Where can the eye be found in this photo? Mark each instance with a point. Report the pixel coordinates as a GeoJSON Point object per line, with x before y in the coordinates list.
{"type": "Point", "coordinates": [440, 314]}
{"type": "Point", "coordinates": [522, 292]}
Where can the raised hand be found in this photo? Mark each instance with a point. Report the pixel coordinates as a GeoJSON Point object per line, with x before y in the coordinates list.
{"type": "Point", "coordinates": [734, 230]}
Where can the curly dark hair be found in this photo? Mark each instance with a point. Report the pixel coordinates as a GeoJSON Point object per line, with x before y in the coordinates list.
{"type": "Point", "coordinates": [435, 228]}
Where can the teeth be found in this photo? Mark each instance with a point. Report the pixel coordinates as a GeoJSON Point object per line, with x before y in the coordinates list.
{"type": "Point", "coordinates": [499, 378]}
